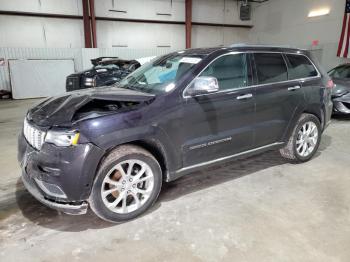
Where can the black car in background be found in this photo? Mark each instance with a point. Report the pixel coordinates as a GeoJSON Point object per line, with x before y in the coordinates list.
{"type": "Point", "coordinates": [341, 91]}
{"type": "Point", "coordinates": [111, 148]}
{"type": "Point", "coordinates": [105, 71]}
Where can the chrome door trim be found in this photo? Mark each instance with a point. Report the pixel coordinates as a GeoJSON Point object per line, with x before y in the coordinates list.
{"type": "Point", "coordinates": [227, 157]}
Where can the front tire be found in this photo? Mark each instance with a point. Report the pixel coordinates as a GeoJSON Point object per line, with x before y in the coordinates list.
{"type": "Point", "coordinates": [305, 139]}
{"type": "Point", "coordinates": [128, 182]}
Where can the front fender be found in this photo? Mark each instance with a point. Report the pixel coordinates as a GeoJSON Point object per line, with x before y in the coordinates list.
{"type": "Point", "coordinates": [152, 135]}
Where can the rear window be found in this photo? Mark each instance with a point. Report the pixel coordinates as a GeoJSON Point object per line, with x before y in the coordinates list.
{"type": "Point", "coordinates": [300, 67]}
{"type": "Point", "coordinates": [270, 68]}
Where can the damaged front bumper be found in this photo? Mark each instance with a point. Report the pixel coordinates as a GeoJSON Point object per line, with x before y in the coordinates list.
{"type": "Point", "coordinates": [59, 177]}
{"type": "Point", "coordinates": [341, 105]}
{"type": "Point", "coordinates": [72, 209]}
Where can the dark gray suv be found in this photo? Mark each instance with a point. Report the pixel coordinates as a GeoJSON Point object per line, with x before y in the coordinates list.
{"type": "Point", "coordinates": [112, 148]}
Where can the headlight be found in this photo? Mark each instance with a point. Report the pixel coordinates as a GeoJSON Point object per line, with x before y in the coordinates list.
{"type": "Point", "coordinates": [89, 81]}
{"type": "Point", "coordinates": [60, 138]}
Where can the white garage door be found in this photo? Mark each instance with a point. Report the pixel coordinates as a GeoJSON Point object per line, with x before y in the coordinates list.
{"type": "Point", "coordinates": [39, 78]}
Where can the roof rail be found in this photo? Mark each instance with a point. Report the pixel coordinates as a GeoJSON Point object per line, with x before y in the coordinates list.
{"type": "Point", "coordinates": [259, 45]}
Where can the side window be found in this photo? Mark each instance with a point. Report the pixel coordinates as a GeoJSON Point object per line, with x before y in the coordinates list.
{"type": "Point", "coordinates": [300, 67]}
{"type": "Point", "coordinates": [230, 71]}
{"type": "Point", "coordinates": [270, 68]}
{"type": "Point", "coordinates": [340, 72]}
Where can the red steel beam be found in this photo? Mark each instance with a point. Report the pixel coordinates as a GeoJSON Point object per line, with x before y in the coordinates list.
{"type": "Point", "coordinates": [87, 26]}
{"type": "Point", "coordinates": [45, 15]}
{"type": "Point", "coordinates": [188, 22]}
{"type": "Point", "coordinates": [103, 18]}
{"type": "Point", "coordinates": [93, 23]}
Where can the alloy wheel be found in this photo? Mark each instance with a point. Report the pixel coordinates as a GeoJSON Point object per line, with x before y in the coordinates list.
{"type": "Point", "coordinates": [307, 139]}
{"type": "Point", "coordinates": [127, 186]}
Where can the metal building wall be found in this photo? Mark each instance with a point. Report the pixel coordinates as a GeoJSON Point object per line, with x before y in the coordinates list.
{"type": "Point", "coordinates": [53, 38]}
{"type": "Point", "coordinates": [44, 32]}
{"type": "Point", "coordinates": [81, 57]}
{"type": "Point", "coordinates": [286, 22]}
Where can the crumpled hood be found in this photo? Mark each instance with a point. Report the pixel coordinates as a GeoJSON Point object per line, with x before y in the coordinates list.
{"type": "Point", "coordinates": [344, 98]}
{"type": "Point", "coordinates": [342, 86]}
{"type": "Point", "coordinates": [59, 111]}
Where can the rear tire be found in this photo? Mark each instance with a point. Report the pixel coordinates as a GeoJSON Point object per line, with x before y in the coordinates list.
{"type": "Point", "coordinates": [305, 139]}
{"type": "Point", "coordinates": [127, 183]}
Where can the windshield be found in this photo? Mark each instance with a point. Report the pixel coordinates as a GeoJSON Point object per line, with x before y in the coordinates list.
{"type": "Point", "coordinates": [161, 75]}
{"type": "Point", "coordinates": [340, 72]}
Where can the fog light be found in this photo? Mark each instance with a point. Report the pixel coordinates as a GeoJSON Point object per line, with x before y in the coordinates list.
{"type": "Point", "coordinates": [50, 189]}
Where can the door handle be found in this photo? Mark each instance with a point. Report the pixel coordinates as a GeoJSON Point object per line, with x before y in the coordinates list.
{"type": "Point", "coordinates": [293, 88]}
{"type": "Point", "coordinates": [246, 96]}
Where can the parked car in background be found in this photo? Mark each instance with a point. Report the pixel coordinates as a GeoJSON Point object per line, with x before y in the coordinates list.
{"type": "Point", "coordinates": [341, 91]}
{"type": "Point", "coordinates": [105, 71]}
{"type": "Point", "coordinates": [112, 148]}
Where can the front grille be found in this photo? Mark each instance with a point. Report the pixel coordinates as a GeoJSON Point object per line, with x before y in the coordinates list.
{"type": "Point", "coordinates": [72, 83]}
{"type": "Point", "coordinates": [34, 136]}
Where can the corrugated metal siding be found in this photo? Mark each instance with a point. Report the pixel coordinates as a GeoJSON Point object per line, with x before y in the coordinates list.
{"type": "Point", "coordinates": [80, 56]}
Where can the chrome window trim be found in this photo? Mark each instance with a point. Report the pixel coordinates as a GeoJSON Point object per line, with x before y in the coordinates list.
{"type": "Point", "coordinates": [230, 91]}
{"type": "Point", "coordinates": [227, 157]}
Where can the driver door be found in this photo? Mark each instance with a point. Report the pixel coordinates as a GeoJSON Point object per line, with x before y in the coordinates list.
{"type": "Point", "coordinates": [220, 124]}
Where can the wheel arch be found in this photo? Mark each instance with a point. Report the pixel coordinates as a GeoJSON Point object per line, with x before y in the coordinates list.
{"type": "Point", "coordinates": [157, 150]}
{"type": "Point", "coordinates": [319, 113]}
{"type": "Point", "coordinates": [153, 146]}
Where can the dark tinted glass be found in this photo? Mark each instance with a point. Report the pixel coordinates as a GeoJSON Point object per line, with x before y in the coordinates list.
{"type": "Point", "coordinates": [230, 71]}
{"type": "Point", "coordinates": [300, 67]}
{"type": "Point", "coordinates": [270, 68]}
{"type": "Point", "coordinates": [340, 72]}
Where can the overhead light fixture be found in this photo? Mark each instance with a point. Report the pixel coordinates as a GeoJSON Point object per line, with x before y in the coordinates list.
{"type": "Point", "coordinates": [319, 12]}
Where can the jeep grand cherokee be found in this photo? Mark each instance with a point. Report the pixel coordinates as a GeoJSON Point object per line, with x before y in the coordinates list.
{"type": "Point", "coordinates": [111, 149]}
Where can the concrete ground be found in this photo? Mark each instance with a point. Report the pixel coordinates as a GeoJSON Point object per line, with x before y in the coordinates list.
{"type": "Point", "coordinates": [259, 209]}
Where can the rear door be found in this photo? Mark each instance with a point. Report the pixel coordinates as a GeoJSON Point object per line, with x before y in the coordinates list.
{"type": "Point", "coordinates": [277, 98]}
{"type": "Point", "coordinates": [300, 67]}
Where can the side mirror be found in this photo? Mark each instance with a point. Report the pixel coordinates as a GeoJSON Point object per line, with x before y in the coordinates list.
{"type": "Point", "coordinates": [203, 85]}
